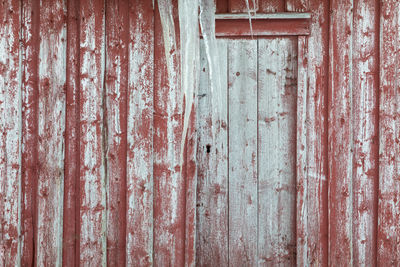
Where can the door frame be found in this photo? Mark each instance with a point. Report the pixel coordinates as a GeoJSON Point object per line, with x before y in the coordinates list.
{"type": "Point", "coordinates": [274, 25]}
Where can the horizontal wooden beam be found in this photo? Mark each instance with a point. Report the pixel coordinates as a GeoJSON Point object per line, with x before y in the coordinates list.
{"type": "Point", "coordinates": [274, 24]}
{"type": "Point", "coordinates": [284, 15]}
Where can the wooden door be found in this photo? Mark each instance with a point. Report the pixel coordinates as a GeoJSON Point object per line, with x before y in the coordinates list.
{"type": "Point", "coordinates": [247, 162]}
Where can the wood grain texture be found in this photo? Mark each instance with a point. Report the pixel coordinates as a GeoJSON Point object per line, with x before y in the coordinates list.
{"type": "Point", "coordinates": [365, 127]}
{"type": "Point", "coordinates": [92, 186]}
{"type": "Point", "coordinates": [190, 174]}
{"type": "Point", "coordinates": [389, 125]}
{"type": "Point", "coordinates": [139, 241]}
{"type": "Point", "coordinates": [276, 146]}
{"type": "Point", "coordinates": [189, 65]}
{"type": "Point", "coordinates": [10, 133]}
{"type": "Point", "coordinates": [71, 163]}
{"type": "Point", "coordinates": [29, 158]}
{"type": "Point", "coordinates": [212, 161]}
{"type": "Point", "coordinates": [312, 230]}
{"type": "Point", "coordinates": [94, 171]}
{"type": "Point", "coordinates": [51, 131]}
{"type": "Point", "coordinates": [317, 145]}
{"type": "Point", "coordinates": [302, 181]}
{"type": "Point", "coordinates": [115, 123]}
{"type": "Point", "coordinates": [341, 134]}
{"type": "Point", "coordinates": [169, 185]}
{"type": "Point", "coordinates": [51, 125]}
{"type": "Point", "coordinates": [242, 152]}
{"type": "Point", "coordinates": [354, 183]}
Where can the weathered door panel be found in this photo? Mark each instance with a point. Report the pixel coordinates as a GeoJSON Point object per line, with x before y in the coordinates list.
{"type": "Point", "coordinates": [247, 170]}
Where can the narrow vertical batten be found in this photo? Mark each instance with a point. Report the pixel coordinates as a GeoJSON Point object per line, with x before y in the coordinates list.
{"type": "Point", "coordinates": [140, 155]}
{"type": "Point", "coordinates": [10, 132]}
{"type": "Point", "coordinates": [115, 126]}
{"type": "Point", "coordinates": [388, 248]}
{"type": "Point", "coordinates": [341, 134]}
{"type": "Point", "coordinates": [51, 125]}
{"type": "Point", "coordinates": [92, 239]}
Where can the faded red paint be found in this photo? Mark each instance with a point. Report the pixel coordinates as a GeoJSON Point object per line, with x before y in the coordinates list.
{"type": "Point", "coordinates": [92, 195]}
{"type": "Point", "coordinates": [115, 118]}
{"type": "Point", "coordinates": [140, 135]}
{"type": "Point", "coordinates": [10, 143]}
{"type": "Point", "coordinates": [169, 186]}
{"type": "Point", "coordinates": [388, 252]}
{"type": "Point", "coordinates": [121, 184]}
{"type": "Point", "coordinates": [240, 28]}
{"type": "Point", "coordinates": [71, 174]}
{"type": "Point", "coordinates": [340, 134]}
{"type": "Point", "coordinates": [315, 250]}
{"type": "Point", "coordinates": [29, 162]}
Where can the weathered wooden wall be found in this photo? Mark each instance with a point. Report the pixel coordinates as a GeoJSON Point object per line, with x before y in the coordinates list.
{"type": "Point", "coordinates": [91, 128]}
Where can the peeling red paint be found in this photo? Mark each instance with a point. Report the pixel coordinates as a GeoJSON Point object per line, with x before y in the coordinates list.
{"type": "Point", "coordinates": [119, 188]}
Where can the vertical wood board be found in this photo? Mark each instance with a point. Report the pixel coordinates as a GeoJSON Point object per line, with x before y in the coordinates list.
{"type": "Point", "coordinates": [242, 152]}
{"type": "Point", "coordinates": [92, 208]}
{"type": "Point", "coordinates": [277, 94]}
{"type": "Point", "coordinates": [341, 134]}
{"type": "Point", "coordinates": [140, 135]}
{"type": "Point", "coordinates": [212, 162]}
{"type": "Point", "coordinates": [389, 123]}
{"type": "Point", "coordinates": [10, 133]}
{"type": "Point", "coordinates": [93, 168]}
{"type": "Point", "coordinates": [115, 127]}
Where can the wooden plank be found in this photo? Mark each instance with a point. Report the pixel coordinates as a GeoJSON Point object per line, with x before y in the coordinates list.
{"type": "Point", "coordinates": [212, 160]}
{"type": "Point", "coordinates": [140, 135]}
{"type": "Point", "coordinates": [189, 65]}
{"type": "Point", "coordinates": [92, 241]}
{"type": "Point", "coordinates": [271, 6]}
{"type": "Point", "coordinates": [261, 27]}
{"type": "Point", "coordinates": [365, 127]}
{"type": "Point", "coordinates": [277, 101]}
{"type": "Point", "coordinates": [312, 151]}
{"type": "Point", "coordinates": [389, 125]}
{"type": "Point", "coordinates": [29, 159]}
{"type": "Point", "coordinates": [169, 185]}
{"type": "Point", "coordinates": [298, 5]}
{"type": "Point", "coordinates": [269, 16]}
{"type": "Point", "coordinates": [190, 175]}
{"type": "Point", "coordinates": [116, 89]}
{"type": "Point", "coordinates": [71, 162]}
{"type": "Point", "coordinates": [302, 183]}
{"type": "Point", "coordinates": [10, 132]}
{"type": "Point", "coordinates": [51, 125]}
{"type": "Point", "coordinates": [341, 134]}
{"type": "Point", "coordinates": [242, 115]}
